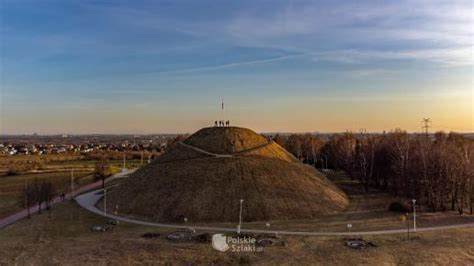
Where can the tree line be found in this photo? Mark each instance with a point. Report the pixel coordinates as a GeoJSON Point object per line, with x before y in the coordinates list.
{"type": "Point", "coordinates": [437, 170]}
{"type": "Point", "coordinates": [40, 191]}
{"type": "Point", "coordinates": [37, 192]}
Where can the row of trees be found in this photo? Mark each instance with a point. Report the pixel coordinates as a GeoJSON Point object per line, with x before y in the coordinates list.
{"type": "Point", "coordinates": [38, 192]}
{"type": "Point", "coordinates": [437, 170]}
{"type": "Point", "coordinates": [305, 147]}
{"type": "Point", "coordinates": [41, 192]}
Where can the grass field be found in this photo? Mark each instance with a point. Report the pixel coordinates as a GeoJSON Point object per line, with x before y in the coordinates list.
{"type": "Point", "coordinates": [54, 168]}
{"type": "Point", "coordinates": [65, 238]}
{"type": "Point", "coordinates": [11, 186]}
{"type": "Point", "coordinates": [366, 212]}
{"type": "Point", "coordinates": [54, 162]}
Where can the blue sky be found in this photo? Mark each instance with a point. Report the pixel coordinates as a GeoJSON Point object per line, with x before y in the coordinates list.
{"type": "Point", "coordinates": [164, 66]}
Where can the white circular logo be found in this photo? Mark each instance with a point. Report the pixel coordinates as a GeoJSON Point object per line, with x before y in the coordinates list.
{"type": "Point", "coordinates": [219, 242]}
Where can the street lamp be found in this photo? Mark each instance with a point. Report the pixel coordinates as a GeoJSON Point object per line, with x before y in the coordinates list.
{"type": "Point", "coordinates": [407, 217]}
{"type": "Point", "coordinates": [414, 214]}
{"type": "Point", "coordinates": [240, 217]}
{"type": "Point", "coordinates": [124, 163]}
{"type": "Point", "coordinates": [72, 183]}
{"type": "Point", "coordinates": [105, 202]}
{"type": "Point", "coordinates": [326, 160]}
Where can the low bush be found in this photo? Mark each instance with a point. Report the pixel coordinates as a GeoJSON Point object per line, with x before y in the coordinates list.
{"type": "Point", "coordinates": [12, 172]}
{"type": "Point", "coordinates": [397, 206]}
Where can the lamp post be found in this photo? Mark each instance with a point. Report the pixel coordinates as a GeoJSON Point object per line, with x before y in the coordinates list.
{"type": "Point", "coordinates": [105, 203]}
{"type": "Point", "coordinates": [72, 183]}
{"type": "Point", "coordinates": [326, 160]}
{"type": "Point", "coordinates": [124, 163]}
{"type": "Point", "coordinates": [240, 217]}
{"type": "Point", "coordinates": [408, 225]}
{"type": "Point", "coordinates": [414, 214]}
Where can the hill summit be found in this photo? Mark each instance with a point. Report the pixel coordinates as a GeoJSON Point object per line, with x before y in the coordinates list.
{"type": "Point", "coordinates": [203, 178]}
{"type": "Point", "coordinates": [226, 140]}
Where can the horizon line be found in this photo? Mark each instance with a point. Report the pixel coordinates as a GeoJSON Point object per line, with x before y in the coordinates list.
{"type": "Point", "coordinates": [262, 132]}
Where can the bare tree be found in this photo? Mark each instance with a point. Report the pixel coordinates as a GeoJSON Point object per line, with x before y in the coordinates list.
{"type": "Point", "coordinates": [102, 170]}
{"type": "Point", "coordinates": [47, 193]}
{"type": "Point", "coordinates": [28, 197]}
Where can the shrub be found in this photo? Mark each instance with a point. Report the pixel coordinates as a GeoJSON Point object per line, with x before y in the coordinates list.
{"type": "Point", "coordinates": [397, 206]}
{"type": "Point", "coordinates": [12, 172]}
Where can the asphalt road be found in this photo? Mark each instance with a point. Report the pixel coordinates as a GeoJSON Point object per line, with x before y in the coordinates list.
{"type": "Point", "coordinates": [89, 200]}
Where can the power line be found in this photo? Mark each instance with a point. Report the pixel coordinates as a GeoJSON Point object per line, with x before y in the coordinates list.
{"type": "Point", "coordinates": [426, 125]}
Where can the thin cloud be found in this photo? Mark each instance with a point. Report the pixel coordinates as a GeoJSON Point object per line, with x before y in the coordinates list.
{"type": "Point", "coordinates": [447, 24]}
{"type": "Point", "coordinates": [230, 65]}
{"type": "Point", "coordinates": [456, 56]}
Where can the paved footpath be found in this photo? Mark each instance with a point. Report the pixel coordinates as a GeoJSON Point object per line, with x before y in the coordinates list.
{"type": "Point", "coordinates": [89, 200]}
{"type": "Point", "coordinates": [222, 155]}
{"type": "Point", "coordinates": [34, 209]}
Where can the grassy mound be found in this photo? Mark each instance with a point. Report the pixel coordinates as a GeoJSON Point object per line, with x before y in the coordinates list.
{"type": "Point", "coordinates": [271, 150]}
{"type": "Point", "coordinates": [179, 152]}
{"type": "Point", "coordinates": [226, 140]}
{"type": "Point", "coordinates": [186, 183]}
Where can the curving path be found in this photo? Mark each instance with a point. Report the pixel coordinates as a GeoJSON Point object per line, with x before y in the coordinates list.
{"type": "Point", "coordinates": [222, 155]}
{"type": "Point", "coordinates": [33, 209]}
{"type": "Point", "coordinates": [90, 199]}
{"type": "Point", "coordinates": [206, 152]}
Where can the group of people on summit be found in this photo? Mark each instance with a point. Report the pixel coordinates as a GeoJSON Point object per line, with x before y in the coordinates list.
{"type": "Point", "coordinates": [222, 123]}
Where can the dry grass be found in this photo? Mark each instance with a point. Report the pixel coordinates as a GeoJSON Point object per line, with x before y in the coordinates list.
{"type": "Point", "coordinates": [366, 212]}
{"type": "Point", "coordinates": [210, 190]}
{"type": "Point", "coordinates": [179, 152]}
{"type": "Point", "coordinates": [65, 238]}
{"type": "Point", "coordinates": [272, 150]}
{"type": "Point", "coordinates": [186, 183]}
{"type": "Point", "coordinates": [53, 163]}
{"type": "Point", "coordinates": [226, 140]}
{"type": "Point", "coordinates": [53, 167]}
{"type": "Point", "coordinates": [12, 186]}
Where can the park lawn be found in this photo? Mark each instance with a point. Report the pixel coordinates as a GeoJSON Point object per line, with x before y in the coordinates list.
{"type": "Point", "coordinates": [56, 162]}
{"type": "Point", "coordinates": [11, 186]}
{"type": "Point", "coordinates": [366, 212]}
{"type": "Point", "coordinates": [53, 167]}
{"type": "Point", "coordinates": [64, 237]}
